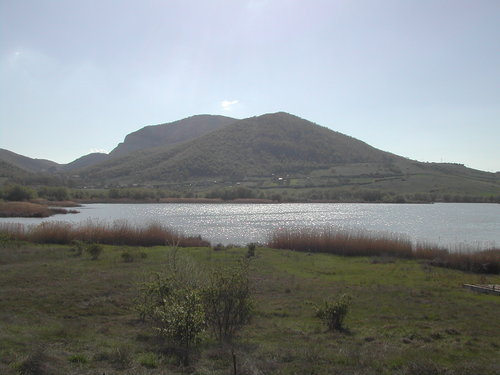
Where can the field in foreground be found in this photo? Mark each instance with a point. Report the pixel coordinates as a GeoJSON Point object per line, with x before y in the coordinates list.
{"type": "Point", "coordinates": [72, 315]}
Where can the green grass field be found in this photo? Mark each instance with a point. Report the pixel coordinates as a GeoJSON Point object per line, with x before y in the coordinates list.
{"type": "Point", "coordinates": [62, 314]}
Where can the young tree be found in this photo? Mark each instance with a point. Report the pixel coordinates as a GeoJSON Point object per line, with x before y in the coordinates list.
{"type": "Point", "coordinates": [227, 301]}
{"type": "Point", "coordinates": [172, 302]}
{"type": "Point", "coordinates": [181, 319]}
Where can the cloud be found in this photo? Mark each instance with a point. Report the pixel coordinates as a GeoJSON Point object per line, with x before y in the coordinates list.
{"type": "Point", "coordinates": [228, 104]}
{"type": "Point", "coordinates": [100, 150]}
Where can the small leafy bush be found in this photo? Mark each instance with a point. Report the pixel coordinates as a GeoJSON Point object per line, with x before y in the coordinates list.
{"type": "Point", "coordinates": [172, 302]}
{"type": "Point", "coordinates": [181, 320]}
{"type": "Point", "coordinates": [333, 313]}
{"type": "Point", "coordinates": [130, 256]}
{"type": "Point", "coordinates": [94, 250]}
{"type": "Point", "coordinates": [251, 249]}
{"type": "Point", "coordinates": [219, 247]}
{"type": "Point", "coordinates": [78, 359]}
{"type": "Point", "coordinates": [149, 360]}
{"type": "Point", "coordinates": [77, 247]}
{"type": "Point", "coordinates": [4, 240]}
{"type": "Point", "coordinates": [127, 257]}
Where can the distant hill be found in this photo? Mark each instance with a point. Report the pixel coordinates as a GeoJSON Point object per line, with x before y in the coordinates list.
{"type": "Point", "coordinates": [170, 133]}
{"type": "Point", "coordinates": [26, 163]}
{"type": "Point", "coordinates": [85, 161]}
{"type": "Point", "coordinates": [10, 171]}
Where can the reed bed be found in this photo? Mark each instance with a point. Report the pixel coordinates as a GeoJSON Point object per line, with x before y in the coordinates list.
{"type": "Point", "coordinates": [118, 233]}
{"type": "Point", "coordinates": [341, 242]}
{"type": "Point", "coordinates": [28, 209]}
{"type": "Point", "coordinates": [361, 243]}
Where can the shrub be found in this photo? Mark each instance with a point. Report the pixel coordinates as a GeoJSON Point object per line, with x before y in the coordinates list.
{"type": "Point", "coordinates": [127, 257]}
{"type": "Point", "coordinates": [121, 357]}
{"type": "Point", "coordinates": [251, 249]}
{"type": "Point", "coordinates": [77, 247]}
{"type": "Point", "coordinates": [172, 302]}
{"type": "Point", "coordinates": [219, 247]}
{"type": "Point", "coordinates": [5, 239]}
{"type": "Point", "coordinates": [149, 360]}
{"type": "Point", "coordinates": [227, 302]}
{"type": "Point", "coordinates": [94, 250]}
{"type": "Point", "coordinates": [181, 310]}
{"type": "Point", "coordinates": [18, 193]}
{"type": "Point", "coordinates": [78, 359]}
{"type": "Point", "coordinates": [333, 313]}
{"type": "Point", "coordinates": [181, 320]}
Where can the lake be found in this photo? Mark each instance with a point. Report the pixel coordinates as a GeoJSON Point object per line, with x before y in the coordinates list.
{"type": "Point", "coordinates": [448, 224]}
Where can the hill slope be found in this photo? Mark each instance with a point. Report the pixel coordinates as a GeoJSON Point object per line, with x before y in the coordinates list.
{"type": "Point", "coordinates": [85, 161]}
{"type": "Point", "coordinates": [26, 163]}
{"type": "Point", "coordinates": [258, 146]}
{"type": "Point", "coordinates": [170, 133]}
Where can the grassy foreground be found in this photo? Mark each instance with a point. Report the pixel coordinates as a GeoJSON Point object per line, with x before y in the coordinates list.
{"type": "Point", "coordinates": [62, 314]}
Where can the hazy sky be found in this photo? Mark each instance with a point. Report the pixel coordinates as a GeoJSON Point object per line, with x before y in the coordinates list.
{"type": "Point", "coordinates": [419, 78]}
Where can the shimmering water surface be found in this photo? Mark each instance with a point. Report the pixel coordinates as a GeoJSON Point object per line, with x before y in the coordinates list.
{"type": "Point", "coordinates": [476, 225]}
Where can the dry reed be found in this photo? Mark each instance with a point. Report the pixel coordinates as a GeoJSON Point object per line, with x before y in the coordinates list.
{"type": "Point", "coordinates": [118, 233]}
{"type": "Point", "coordinates": [341, 242]}
{"type": "Point", "coordinates": [368, 244]}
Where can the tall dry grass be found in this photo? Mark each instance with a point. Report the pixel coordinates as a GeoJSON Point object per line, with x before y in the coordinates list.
{"type": "Point", "coordinates": [361, 243]}
{"type": "Point", "coordinates": [341, 242]}
{"type": "Point", "coordinates": [118, 233]}
{"type": "Point", "coordinates": [28, 209]}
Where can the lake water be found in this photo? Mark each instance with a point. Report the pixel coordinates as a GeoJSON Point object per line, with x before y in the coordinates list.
{"type": "Point", "coordinates": [448, 224]}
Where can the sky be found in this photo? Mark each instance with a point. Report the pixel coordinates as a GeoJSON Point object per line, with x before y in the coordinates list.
{"type": "Point", "coordinates": [418, 78]}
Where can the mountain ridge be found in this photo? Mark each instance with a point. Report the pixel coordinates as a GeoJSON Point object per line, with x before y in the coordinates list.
{"type": "Point", "coordinates": [169, 133]}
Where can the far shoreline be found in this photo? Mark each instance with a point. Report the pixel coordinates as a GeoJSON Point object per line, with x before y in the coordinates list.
{"type": "Point", "coordinates": [237, 201]}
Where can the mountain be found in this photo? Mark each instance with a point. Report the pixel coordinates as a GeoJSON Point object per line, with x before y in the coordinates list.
{"type": "Point", "coordinates": [258, 146]}
{"type": "Point", "coordinates": [170, 133]}
{"type": "Point", "coordinates": [26, 163]}
{"type": "Point", "coordinates": [85, 161]}
{"type": "Point", "coordinates": [274, 154]}
{"type": "Point", "coordinates": [282, 151]}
